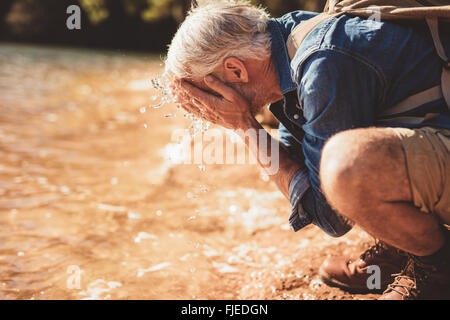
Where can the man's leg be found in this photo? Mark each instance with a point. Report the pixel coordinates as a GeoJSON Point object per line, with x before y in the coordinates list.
{"type": "Point", "coordinates": [378, 178]}
{"type": "Point", "coordinates": [364, 176]}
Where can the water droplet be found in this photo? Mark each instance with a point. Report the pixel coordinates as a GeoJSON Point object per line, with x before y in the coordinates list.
{"type": "Point", "coordinates": [145, 126]}
{"type": "Point", "coordinates": [133, 215]}
{"type": "Point", "coordinates": [144, 235]}
{"type": "Point", "coordinates": [143, 109]}
{"type": "Point", "coordinates": [65, 189]}
{"type": "Point", "coordinates": [191, 218]}
{"type": "Point", "coordinates": [159, 213]}
{"type": "Point", "coordinates": [158, 105]}
{"type": "Point", "coordinates": [185, 257]}
{"type": "Point", "coordinates": [232, 209]}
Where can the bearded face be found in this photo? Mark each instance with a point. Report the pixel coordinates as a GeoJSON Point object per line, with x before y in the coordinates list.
{"type": "Point", "coordinates": [254, 93]}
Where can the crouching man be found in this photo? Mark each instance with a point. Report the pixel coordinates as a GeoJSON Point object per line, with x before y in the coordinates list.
{"type": "Point", "coordinates": [355, 150]}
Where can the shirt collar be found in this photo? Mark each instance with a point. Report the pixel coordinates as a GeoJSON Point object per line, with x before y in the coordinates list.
{"type": "Point", "coordinates": [280, 57]}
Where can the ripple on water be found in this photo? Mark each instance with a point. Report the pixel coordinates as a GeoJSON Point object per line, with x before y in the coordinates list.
{"type": "Point", "coordinates": [99, 290]}
{"type": "Point", "coordinates": [155, 268]}
{"type": "Point", "coordinates": [18, 203]}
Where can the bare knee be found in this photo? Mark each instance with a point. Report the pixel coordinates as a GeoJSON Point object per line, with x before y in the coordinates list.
{"type": "Point", "coordinates": [363, 166]}
{"type": "Point", "coordinates": [337, 169]}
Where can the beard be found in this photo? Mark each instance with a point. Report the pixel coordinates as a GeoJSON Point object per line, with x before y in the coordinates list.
{"type": "Point", "coordinates": [254, 94]}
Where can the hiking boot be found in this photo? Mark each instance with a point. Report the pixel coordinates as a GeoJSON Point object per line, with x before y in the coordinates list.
{"type": "Point", "coordinates": [418, 281]}
{"type": "Point", "coordinates": [352, 275]}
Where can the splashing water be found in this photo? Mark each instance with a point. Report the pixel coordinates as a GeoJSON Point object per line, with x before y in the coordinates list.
{"type": "Point", "coordinates": [158, 84]}
{"type": "Point", "coordinates": [198, 125]}
{"type": "Point", "coordinates": [167, 96]}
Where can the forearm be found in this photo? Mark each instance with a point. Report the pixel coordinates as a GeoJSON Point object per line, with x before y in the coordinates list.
{"type": "Point", "coordinates": [285, 165]}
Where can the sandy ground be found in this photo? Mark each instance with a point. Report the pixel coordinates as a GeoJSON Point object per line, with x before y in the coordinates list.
{"type": "Point", "coordinates": [93, 207]}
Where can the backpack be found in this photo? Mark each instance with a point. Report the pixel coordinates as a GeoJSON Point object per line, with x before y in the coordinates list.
{"type": "Point", "coordinates": [431, 11]}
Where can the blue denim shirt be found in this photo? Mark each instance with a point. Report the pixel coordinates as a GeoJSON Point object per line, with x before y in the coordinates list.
{"type": "Point", "coordinates": [346, 72]}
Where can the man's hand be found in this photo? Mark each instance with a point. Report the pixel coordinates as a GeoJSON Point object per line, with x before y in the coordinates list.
{"type": "Point", "coordinates": [230, 110]}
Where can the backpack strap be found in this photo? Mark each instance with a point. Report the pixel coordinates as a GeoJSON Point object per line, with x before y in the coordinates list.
{"type": "Point", "coordinates": [445, 84]}
{"type": "Point", "coordinates": [429, 95]}
{"type": "Point", "coordinates": [445, 78]}
{"type": "Point", "coordinates": [300, 32]}
{"type": "Point", "coordinates": [433, 24]}
{"type": "Point", "coordinates": [414, 101]}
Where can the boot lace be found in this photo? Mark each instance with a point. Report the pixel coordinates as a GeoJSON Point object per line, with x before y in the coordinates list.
{"type": "Point", "coordinates": [408, 280]}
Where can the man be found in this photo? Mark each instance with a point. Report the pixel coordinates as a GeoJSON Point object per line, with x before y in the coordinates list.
{"type": "Point", "coordinates": [342, 147]}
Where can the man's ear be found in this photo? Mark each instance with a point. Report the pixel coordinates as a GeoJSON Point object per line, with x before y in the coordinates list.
{"type": "Point", "coordinates": [235, 70]}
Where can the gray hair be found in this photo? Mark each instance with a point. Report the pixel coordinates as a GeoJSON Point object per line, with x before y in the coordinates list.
{"type": "Point", "coordinates": [215, 30]}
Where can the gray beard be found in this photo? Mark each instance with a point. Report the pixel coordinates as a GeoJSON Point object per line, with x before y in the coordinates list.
{"type": "Point", "coordinates": [254, 95]}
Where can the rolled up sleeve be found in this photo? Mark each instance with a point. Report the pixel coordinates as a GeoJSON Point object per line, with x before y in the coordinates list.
{"type": "Point", "coordinates": [299, 185]}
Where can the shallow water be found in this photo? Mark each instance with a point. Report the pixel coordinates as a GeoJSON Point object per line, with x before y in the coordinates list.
{"type": "Point", "coordinates": [91, 206]}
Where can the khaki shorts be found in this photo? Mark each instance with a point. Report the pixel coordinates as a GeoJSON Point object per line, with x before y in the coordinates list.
{"type": "Point", "coordinates": [427, 153]}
